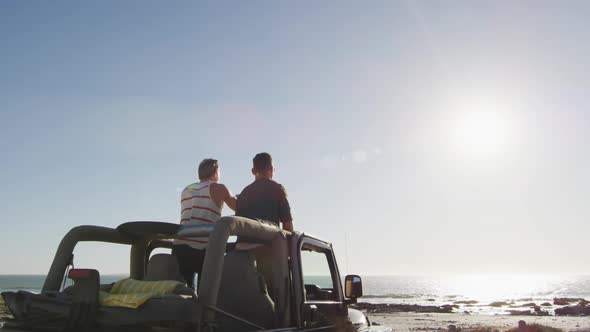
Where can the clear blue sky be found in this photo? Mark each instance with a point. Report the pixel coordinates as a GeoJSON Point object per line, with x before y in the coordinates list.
{"type": "Point", "coordinates": [442, 137]}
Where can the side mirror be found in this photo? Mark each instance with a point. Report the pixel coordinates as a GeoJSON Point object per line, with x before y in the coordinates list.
{"type": "Point", "coordinates": [353, 286]}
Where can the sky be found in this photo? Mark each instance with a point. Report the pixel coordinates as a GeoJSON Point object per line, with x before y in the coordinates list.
{"type": "Point", "coordinates": [420, 137]}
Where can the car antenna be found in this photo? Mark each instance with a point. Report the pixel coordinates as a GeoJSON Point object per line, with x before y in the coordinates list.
{"type": "Point", "coordinates": [346, 251]}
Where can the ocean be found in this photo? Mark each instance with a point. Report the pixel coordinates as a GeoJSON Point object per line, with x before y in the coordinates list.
{"type": "Point", "coordinates": [471, 293]}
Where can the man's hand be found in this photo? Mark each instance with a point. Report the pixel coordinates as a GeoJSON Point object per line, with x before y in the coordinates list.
{"type": "Point", "coordinates": [288, 226]}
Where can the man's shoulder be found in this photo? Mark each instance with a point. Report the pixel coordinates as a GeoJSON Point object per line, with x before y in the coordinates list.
{"type": "Point", "coordinates": [268, 183]}
{"type": "Point", "coordinates": [197, 186]}
{"type": "Point", "coordinates": [278, 185]}
{"type": "Point", "coordinates": [218, 188]}
{"type": "Point", "coordinates": [216, 185]}
{"type": "Point", "coordinates": [192, 186]}
{"type": "Point", "coordinates": [260, 186]}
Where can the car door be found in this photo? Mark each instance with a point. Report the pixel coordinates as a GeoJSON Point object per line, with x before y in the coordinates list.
{"type": "Point", "coordinates": [322, 307]}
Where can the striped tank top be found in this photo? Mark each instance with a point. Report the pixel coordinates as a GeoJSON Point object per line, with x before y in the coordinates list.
{"type": "Point", "coordinates": [197, 209]}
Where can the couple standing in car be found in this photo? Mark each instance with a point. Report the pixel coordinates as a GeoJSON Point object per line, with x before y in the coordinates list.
{"type": "Point", "coordinates": [202, 202]}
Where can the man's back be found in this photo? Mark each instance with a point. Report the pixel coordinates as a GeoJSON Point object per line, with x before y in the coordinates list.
{"type": "Point", "coordinates": [264, 199]}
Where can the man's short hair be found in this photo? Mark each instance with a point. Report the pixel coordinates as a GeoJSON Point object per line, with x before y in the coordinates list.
{"type": "Point", "coordinates": [262, 162]}
{"type": "Point", "coordinates": [207, 168]}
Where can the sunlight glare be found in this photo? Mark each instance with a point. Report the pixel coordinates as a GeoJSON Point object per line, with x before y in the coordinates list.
{"type": "Point", "coordinates": [480, 132]}
{"type": "Point", "coordinates": [488, 287]}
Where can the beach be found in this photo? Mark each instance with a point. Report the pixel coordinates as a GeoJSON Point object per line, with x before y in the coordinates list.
{"type": "Point", "coordinates": [410, 303]}
{"type": "Point", "coordinates": [409, 321]}
{"type": "Point", "coordinates": [412, 321]}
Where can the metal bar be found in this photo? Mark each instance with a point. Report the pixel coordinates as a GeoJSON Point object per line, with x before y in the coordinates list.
{"type": "Point", "coordinates": [235, 317]}
{"type": "Point", "coordinates": [195, 230]}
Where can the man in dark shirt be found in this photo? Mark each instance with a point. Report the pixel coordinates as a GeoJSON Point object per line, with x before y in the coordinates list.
{"type": "Point", "coordinates": [265, 199]}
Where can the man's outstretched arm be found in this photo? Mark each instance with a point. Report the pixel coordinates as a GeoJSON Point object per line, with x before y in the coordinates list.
{"type": "Point", "coordinates": [222, 195]}
{"type": "Point", "coordinates": [230, 199]}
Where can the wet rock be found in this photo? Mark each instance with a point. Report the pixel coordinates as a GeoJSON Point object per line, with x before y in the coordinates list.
{"type": "Point", "coordinates": [565, 300]}
{"type": "Point", "coordinates": [526, 305]}
{"type": "Point", "coordinates": [546, 304]}
{"type": "Point", "coordinates": [500, 304]}
{"type": "Point", "coordinates": [581, 309]}
{"type": "Point", "coordinates": [391, 308]}
{"type": "Point", "coordinates": [535, 312]}
{"type": "Point", "coordinates": [466, 302]}
{"type": "Point", "coordinates": [520, 312]}
{"type": "Point", "coordinates": [540, 312]}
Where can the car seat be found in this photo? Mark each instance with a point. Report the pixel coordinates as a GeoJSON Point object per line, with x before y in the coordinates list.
{"type": "Point", "coordinates": [165, 267]}
{"type": "Point", "coordinates": [243, 292]}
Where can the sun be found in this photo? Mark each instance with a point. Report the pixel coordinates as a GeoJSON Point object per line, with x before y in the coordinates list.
{"type": "Point", "coordinates": [480, 133]}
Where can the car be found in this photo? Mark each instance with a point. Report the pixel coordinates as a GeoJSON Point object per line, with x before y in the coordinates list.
{"type": "Point", "coordinates": [291, 282]}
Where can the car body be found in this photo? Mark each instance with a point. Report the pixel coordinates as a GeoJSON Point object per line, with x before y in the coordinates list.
{"type": "Point", "coordinates": [234, 294]}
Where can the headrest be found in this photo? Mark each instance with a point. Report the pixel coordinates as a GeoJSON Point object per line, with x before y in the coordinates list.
{"type": "Point", "coordinates": [163, 267]}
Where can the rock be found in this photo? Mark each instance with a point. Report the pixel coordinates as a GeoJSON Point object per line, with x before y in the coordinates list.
{"type": "Point", "coordinates": [452, 328]}
{"type": "Point", "coordinates": [526, 305]}
{"type": "Point", "coordinates": [499, 304]}
{"type": "Point", "coordinates": [565, 300]}
{"type": "Point", "coordinates": [451, 306]}
{"type": "Point", "coordinates": [391, 308]}
{"type": "Point", "coordinates": [578, 310]}
{"type": "Point", "coordinates": [546, 304]}
{"type": "Point", "coordinates": [466, 302]}
{"type": "Point", "coordinates": [522, 326]}
{"type": "Point", "coordinates": [540, 312]}
{"type": "Point", "coordinates": [536, 312]}
{"type": "Point", "coordinates": [521, 313]}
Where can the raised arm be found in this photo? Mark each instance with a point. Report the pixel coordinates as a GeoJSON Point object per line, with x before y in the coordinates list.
{"type": "Point", "coordinates": [230, 199]}
{"type": "Point", "coordinates": [222, 195]}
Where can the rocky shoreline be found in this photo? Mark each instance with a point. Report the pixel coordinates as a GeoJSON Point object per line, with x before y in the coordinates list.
{"type": "Point", "coordinates": [566, 307]}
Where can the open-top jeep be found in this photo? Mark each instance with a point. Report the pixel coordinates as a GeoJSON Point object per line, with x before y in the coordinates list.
{"type": "Point", "coordinates": [299, 288]}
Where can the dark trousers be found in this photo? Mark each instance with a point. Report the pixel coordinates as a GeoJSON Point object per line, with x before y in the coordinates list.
{"type": "Point", "coordinates": [190, 261]}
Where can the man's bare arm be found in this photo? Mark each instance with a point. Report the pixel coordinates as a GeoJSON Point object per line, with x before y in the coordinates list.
{"type": "Point", "coordinates": [223, 195]}
{"type": "Point", "coordinates": [230, 200]}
